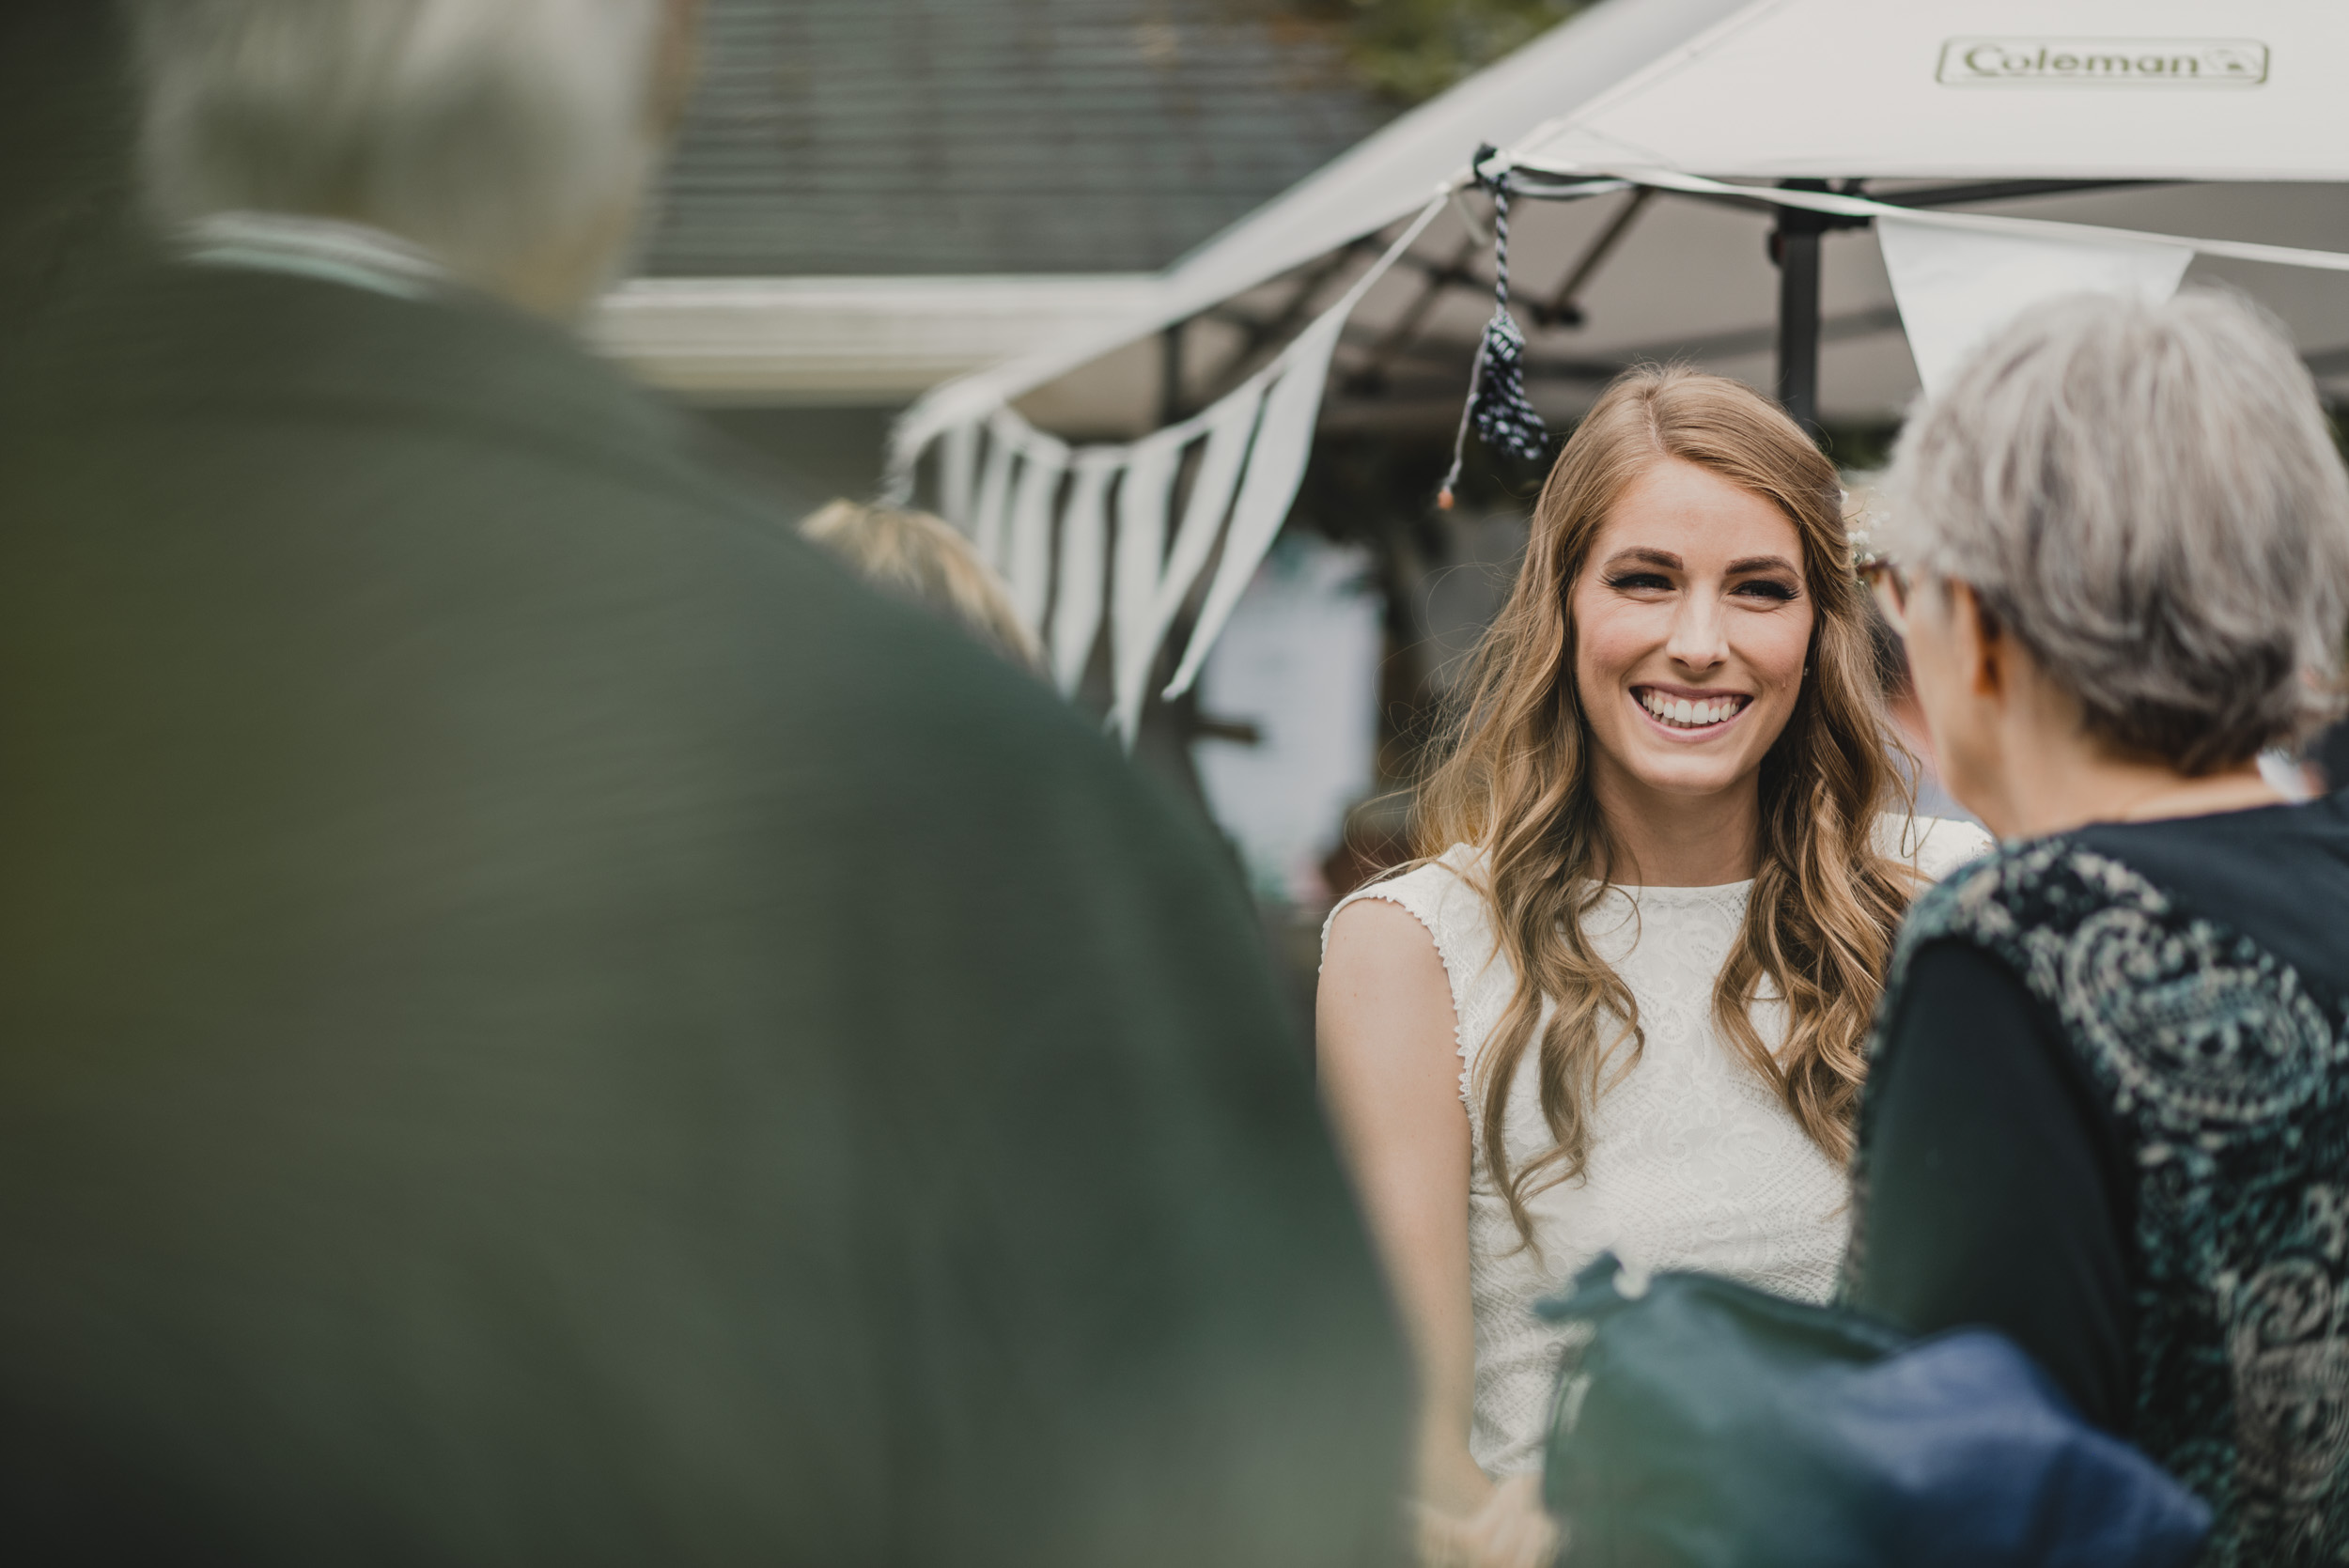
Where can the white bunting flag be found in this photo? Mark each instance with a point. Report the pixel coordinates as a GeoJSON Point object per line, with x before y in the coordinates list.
{"type": "Point", "coordinates": [1957, 286]}
{"type": "Point", "coordinates": [1082, 535]}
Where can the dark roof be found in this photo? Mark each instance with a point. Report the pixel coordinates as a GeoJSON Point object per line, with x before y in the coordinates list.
{"type": "Point", "coordinates": [934, 136]}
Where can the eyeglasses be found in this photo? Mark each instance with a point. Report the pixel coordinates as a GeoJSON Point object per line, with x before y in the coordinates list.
{"type": "Point", "coordinates": [1891, 584]}
{"type": "Point", "coordinates": [1886, 578]}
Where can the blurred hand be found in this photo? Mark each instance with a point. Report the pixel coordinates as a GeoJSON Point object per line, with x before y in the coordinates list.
{"type": "Point", "coordinates": [1511, 1530]}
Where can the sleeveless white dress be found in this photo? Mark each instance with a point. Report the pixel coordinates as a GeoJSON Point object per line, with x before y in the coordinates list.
{"type": "Point", "coordinates": [1694, 1163]}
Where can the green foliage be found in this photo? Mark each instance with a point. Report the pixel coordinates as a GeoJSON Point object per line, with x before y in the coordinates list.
{"type": "Point", "coordinates": [1410, 50]}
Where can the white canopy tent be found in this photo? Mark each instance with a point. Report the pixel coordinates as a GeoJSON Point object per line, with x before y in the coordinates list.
{"type": "Point", "coordinates": [1981, 89]}
{"type": "Point", "coordinates": [2057, 109]}
{"type": "Point", "coordinates": [1385, 179]}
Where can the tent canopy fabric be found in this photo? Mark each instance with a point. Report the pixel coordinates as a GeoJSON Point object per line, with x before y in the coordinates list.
{"type": "Point", "coordinates": [1378, 182]}
{"type": "Point", "coordinates": [1787, 88]}
{"type": "Point", "coordinates": [1666, 98]}
{"type": "Point", "coordinates": [1981, 90]}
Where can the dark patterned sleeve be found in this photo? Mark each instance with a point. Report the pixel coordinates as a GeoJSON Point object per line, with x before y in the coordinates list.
{"type": "Point", "coordinates": [1998, 1191]}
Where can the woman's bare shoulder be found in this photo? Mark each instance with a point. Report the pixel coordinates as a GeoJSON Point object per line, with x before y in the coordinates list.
{"type": "Point", "coordinates": [1378, 930]}
{"type": "Point", "coordinates": [1384, 1011]}
{"type": "Point", "coordinates": [1396, 953]}
{"type": "Point", "coordinates": [1441, 895]}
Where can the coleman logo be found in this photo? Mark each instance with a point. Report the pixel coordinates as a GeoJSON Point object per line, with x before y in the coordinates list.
{"type": "Point", "coordinates": [2010, 62]}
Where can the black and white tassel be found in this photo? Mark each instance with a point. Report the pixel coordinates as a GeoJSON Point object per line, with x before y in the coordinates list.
{"type": "Point", "coordinates": [1497, 404]}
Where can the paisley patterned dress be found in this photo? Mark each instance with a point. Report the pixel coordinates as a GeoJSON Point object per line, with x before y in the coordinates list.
{"type": "Point", "coordinates": [2228, 1072]}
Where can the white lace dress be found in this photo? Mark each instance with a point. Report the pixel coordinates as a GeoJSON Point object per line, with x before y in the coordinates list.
{"type": "Point", "coordinates": [1693, 1163]}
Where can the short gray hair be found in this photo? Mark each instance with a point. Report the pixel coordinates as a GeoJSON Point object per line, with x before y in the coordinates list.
{"type": "Point", "coordinates": [2149, 497]}
{"type": "Point", "coordinates": [480, 130]}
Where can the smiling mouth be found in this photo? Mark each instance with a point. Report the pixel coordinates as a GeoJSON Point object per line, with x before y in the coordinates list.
{"type": "Point", "coordinates": [1689, 713]}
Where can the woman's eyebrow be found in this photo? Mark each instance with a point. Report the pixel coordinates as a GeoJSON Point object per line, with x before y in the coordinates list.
{"type": "Point", "coordinates": [1664, 558]}
{"type": "Point", "coordinates": [1758, 563]}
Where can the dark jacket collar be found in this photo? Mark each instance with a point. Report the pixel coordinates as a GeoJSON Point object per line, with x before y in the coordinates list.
{"type": "Point", "coordinates": [168, 339]}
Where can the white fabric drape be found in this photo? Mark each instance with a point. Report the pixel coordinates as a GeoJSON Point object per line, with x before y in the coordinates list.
{"type": "Point", "coordinates": [1956, 287]}
{"type": "Point", "coordinates": [1284, 442]}
{"type": "Point", "coordinates": [1027, 549]}
{"type": "Point", "coordinates": [1082, 535]}
{"type": "Point", "coordinates": [1083, 560]}
{"type": "Point", "coordinates": [1086, 538]}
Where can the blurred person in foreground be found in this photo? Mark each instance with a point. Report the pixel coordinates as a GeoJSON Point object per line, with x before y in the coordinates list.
{"type": "Point", "coordinates": [64, 148]}
{"type": "Point", "coordinates": [545, 1022]}
{"type": "Point", "coordinates": [2109, 1108]}
{"type": "Point", "coordinates": [920, 558]}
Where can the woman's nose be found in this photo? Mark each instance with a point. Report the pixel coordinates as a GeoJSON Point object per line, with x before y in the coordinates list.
{"type": "Point", "coordinates": [1696, 640]}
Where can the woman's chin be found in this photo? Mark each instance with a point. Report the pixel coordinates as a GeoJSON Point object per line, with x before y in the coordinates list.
{"type": "Point", "coordinates": [1687, 773]}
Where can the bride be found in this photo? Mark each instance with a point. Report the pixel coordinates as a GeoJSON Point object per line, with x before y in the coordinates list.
{"type": "Point", "coordinates": [1623, 1003]}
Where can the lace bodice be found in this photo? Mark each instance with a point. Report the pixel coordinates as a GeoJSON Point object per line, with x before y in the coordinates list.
{"type": "Point", "coordinates": [1693, 1162]}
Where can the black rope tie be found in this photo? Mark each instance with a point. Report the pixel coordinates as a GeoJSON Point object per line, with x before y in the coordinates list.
{"type": "Point", "coordinates": [1497, 404]}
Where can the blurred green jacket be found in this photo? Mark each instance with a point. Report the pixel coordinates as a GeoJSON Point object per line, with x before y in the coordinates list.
{"type": "Point", "coordinates": [541, 1022]}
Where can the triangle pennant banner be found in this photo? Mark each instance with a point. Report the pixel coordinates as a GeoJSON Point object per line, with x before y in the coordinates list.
{"type": "Point", "coordinates": [1082, 602]}
{"type": "Point", "coordinates": [1086, 537]}
{"type": "Point", "coordinates": [1957, 286]}
{"type": "Point", "coordinates": [1276, 466]}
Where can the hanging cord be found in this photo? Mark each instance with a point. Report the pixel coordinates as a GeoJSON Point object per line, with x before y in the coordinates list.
{"type": "Point", "coordinates": [1497, 404]}
{"type": "Point", "coordinates": [1460, 437]}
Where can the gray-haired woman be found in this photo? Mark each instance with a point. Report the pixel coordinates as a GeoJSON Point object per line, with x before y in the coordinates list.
{"type": "Point", "coordinates": [2109, 1108]}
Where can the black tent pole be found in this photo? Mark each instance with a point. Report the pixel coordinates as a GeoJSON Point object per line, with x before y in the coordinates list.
{"type": "Point", "coordinates": [1171, 373]}
{"type": "Point", "coordinates": [1795, 246]}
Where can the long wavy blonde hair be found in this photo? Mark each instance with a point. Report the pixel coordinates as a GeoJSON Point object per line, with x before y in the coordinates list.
{"type": "Point", "coordinates": [1513, 780]}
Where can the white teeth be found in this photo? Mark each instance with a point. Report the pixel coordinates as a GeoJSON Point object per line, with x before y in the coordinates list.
{"type": "Point", "coordinates": [1686, 714]}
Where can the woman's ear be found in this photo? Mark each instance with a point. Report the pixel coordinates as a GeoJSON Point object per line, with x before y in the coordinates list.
{"type": "Point", "coordinates": [1983, 647]}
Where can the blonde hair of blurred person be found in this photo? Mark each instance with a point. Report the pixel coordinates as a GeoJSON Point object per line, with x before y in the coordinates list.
{"type": "Point", "coordinates": [511, 141]}
{"type": "Point", "coordinates": [921, 558]}
{"type": "Point", "coordinates": [1621, 1002]}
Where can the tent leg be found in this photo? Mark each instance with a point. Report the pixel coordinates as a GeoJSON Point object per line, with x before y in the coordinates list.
{"type": "Point", "coordinates": [1171, 409]}
{"type": "Point", "coordinates": [1795, 246]}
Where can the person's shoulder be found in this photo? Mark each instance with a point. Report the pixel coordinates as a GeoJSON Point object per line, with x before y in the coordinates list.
{"type": "Point", "coordinates": [1431, 883]}
{"type": "Point", "coordinates": [1999, 899]}
{"type": "Point", "coordinates": [1444, 893]}
{"type": "Point", "coordinates": [1934, 846]}
{"type": "Point", "coordinates": [903, 666]}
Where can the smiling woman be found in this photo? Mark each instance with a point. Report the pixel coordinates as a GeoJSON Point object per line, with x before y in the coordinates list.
{"type": "Point", "coordinates": [1620, 1003]}
{"type": "Point", "coordinates": [1691, 634]}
